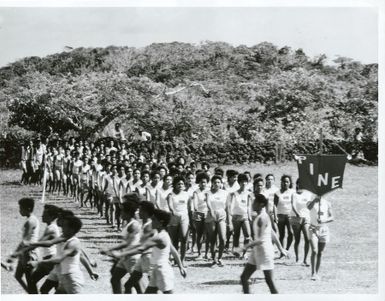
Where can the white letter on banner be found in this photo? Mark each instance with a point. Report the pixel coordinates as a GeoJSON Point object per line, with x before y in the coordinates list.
{"type": "Point", "coordinates": [299, 158]}
{"type": "Point", "coordinates": [311, 165]}
{"type": "Point", "coordinates": [323, 180]}
{"type": "Point", "coordinates": [335, 183]}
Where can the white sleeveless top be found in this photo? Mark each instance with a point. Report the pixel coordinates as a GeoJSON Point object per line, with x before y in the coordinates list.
{"type": "Point", "coordinates": [269, 194]}
{"type": "Point", "coordinates": [180, 202]}
{"type": "Point", "coordinates": [239, 203]}
{"type": "Point", "coordinates": [76, 167]}
{"type": "Point", "coordinates": [218, 199]}
{"type": "Point", "coordinates": [300, 204]}
{"type": "Point", "coordinates": [33, 234]}
{"type": "Point", "coordinates": [50, 251]}
{"type": "Point", "coordinates": [132, 240]}
{"type": "Point", "coordinates": [144, 232]}
{"type": "Point", "coordinates": [85, 169]}
{"type": "Point", "coordinates": [142, 190]}
{"type": "Point", "coordinates": [160, 256]}
{"type": "Point", "coordinates": [284, 203]}
{"type": "Point", "coordinates": [70, 264]}
{"type": "Point", "coordinates": [152, 193]}
{"type": "Point", "coordinates": [265, 237]}
{"type": "Point", "coordinates": [201, 200]}
{"type": "Point", "coordinates": [319, 210]}
{"type": "Point", "coordinates": [232, 188]}
{"type": "Point", "coordinates": [163, 198]}
{"type": "Point", "coordinates": [113, 185]}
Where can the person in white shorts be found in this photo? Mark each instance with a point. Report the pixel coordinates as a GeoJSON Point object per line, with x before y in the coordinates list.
{"type": "Point", "coordinates": [178, 227]}
{"type": "Point", "coordinates": [131, 236]}
{"type": "Point", "coordinates": [262, 256]}
{"type": "Point", "coordinates": [320, 215]}
{"type": "Point", "coordinates": [300, 219]}
{"type": "Point", "coordinates": [143, 265]}
{"type": "Point", "coordinates": [216, 200]}
{"type": "Point", "coordinates": [161, 275]}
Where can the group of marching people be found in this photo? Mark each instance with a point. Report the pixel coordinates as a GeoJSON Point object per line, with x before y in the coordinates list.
{"type": "Point", "coordinates": [159, 205]}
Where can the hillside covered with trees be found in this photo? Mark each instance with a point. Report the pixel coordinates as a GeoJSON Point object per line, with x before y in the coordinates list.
{"type": "Point", "coordinates": [207, 95]}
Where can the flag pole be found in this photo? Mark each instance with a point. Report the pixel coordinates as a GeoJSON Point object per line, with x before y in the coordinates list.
{"type": "Point", "coordinates": [44, 181]}
{"type": "Point", "coordinates": [320, 153]}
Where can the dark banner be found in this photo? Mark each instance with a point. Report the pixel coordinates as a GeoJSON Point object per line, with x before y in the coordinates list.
{"type": "Point", "coordinates": [321, 173]}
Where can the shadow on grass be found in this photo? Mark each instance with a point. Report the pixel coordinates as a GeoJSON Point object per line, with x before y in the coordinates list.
{"type": "Point", "coordinates": [233, 281]}
{"type": "Point", "coordinates": [11, 183]}
{"type": "Point", "coordinates": [201, 265]}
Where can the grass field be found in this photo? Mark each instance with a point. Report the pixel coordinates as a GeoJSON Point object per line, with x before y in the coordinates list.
{"type": "Point", "coordinates": [350, 263]}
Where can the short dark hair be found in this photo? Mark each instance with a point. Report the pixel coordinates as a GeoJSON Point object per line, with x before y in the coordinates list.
{"type": "Point", "coordinates": [52, 210]}
{"type": "Point", "coordinates": [74, 222]}
{"type": "Point", "coordinates": [214, 178]}
{"type": "Point", "coordinates": [242, 178]}
{"type": "Point", "coordinates": [257, 176]}
{"type": "Point", "coordinates": [257, 180]}
{"type": "Point", "coordinates": [27, 203]}
{"type": "Point", "coordinates": [219, 171]}
{"type": "Point", "coordinates": [63, 213]}
{"type": "Point", "coordinates": [177, 180]}
{"type": "Point", "coordinates": [269, 175]}
{"type": "Point", "coordinates": [131, 202]}
{"type": "Point", "coordinates": [231, 173]}
{"type": "Point", "coordinates": [261, 199]}
{"type": "Point", "coordinates": [162, 216]}
{"type": "Point", "coordinates": [148, 207]}
{"type": "Point", "coordinates": [202, 176]}
{"type": "Point", "coordinates": [287, 177]}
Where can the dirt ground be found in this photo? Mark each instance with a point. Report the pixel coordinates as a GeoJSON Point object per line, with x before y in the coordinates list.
{"type": "Point", "coordinates": [350, 263]}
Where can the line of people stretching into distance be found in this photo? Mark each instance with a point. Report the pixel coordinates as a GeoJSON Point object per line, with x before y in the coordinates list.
{"type": "Point", "coordinates": [164, 208]}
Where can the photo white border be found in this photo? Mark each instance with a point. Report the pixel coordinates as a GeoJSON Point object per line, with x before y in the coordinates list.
{"type": "Point", "coordinates": [379, 5]}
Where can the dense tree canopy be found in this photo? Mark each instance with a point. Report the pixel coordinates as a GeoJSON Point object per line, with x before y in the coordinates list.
{"type": "Point", "coordinates": [212, 92]}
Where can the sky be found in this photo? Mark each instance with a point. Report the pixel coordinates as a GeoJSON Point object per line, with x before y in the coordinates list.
{"type": "Point", "coordinates": [344, 31]}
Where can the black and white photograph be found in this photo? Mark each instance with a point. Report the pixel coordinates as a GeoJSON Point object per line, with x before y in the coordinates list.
{"type": "Point", "coordinates": [190, 149]}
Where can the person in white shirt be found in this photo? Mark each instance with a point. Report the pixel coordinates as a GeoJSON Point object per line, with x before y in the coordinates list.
{"type": "Point", "coordinates": [217, 217]}
{"type": "Point", "coordinates": [230, 186]}
{"type": "Point", "coordinates": [269, 191]}
{"type": "Point", "coordinates": [282, 201]}
{"type": "Point", "coordinates": [300, 219]}
{"type": "Point", "coordinates": [161, 272]}
{"type": "Point", "coordinates": [50, 214]}
{"type": "Point", "coordinates": [239, 211]}
{"type": "Point", "coordinates": [320, 215]}
{"type": "Point", "coordinates": [262, 256]}
{"type": "Point", "coordinates": [200, 210]}
{"type": "Point", "coordinates": [177, 202]}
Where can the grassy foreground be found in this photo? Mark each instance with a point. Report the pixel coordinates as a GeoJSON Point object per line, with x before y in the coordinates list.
{"type": "Point", "coordinates": [350, 262]}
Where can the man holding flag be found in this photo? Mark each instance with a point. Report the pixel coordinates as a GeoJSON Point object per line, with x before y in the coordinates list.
{"type": "Point", "coordinates": [320, 174]}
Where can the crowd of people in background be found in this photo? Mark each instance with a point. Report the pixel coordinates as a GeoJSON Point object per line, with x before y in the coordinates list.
{"type": "Point", "coordinates": [163, 205]}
